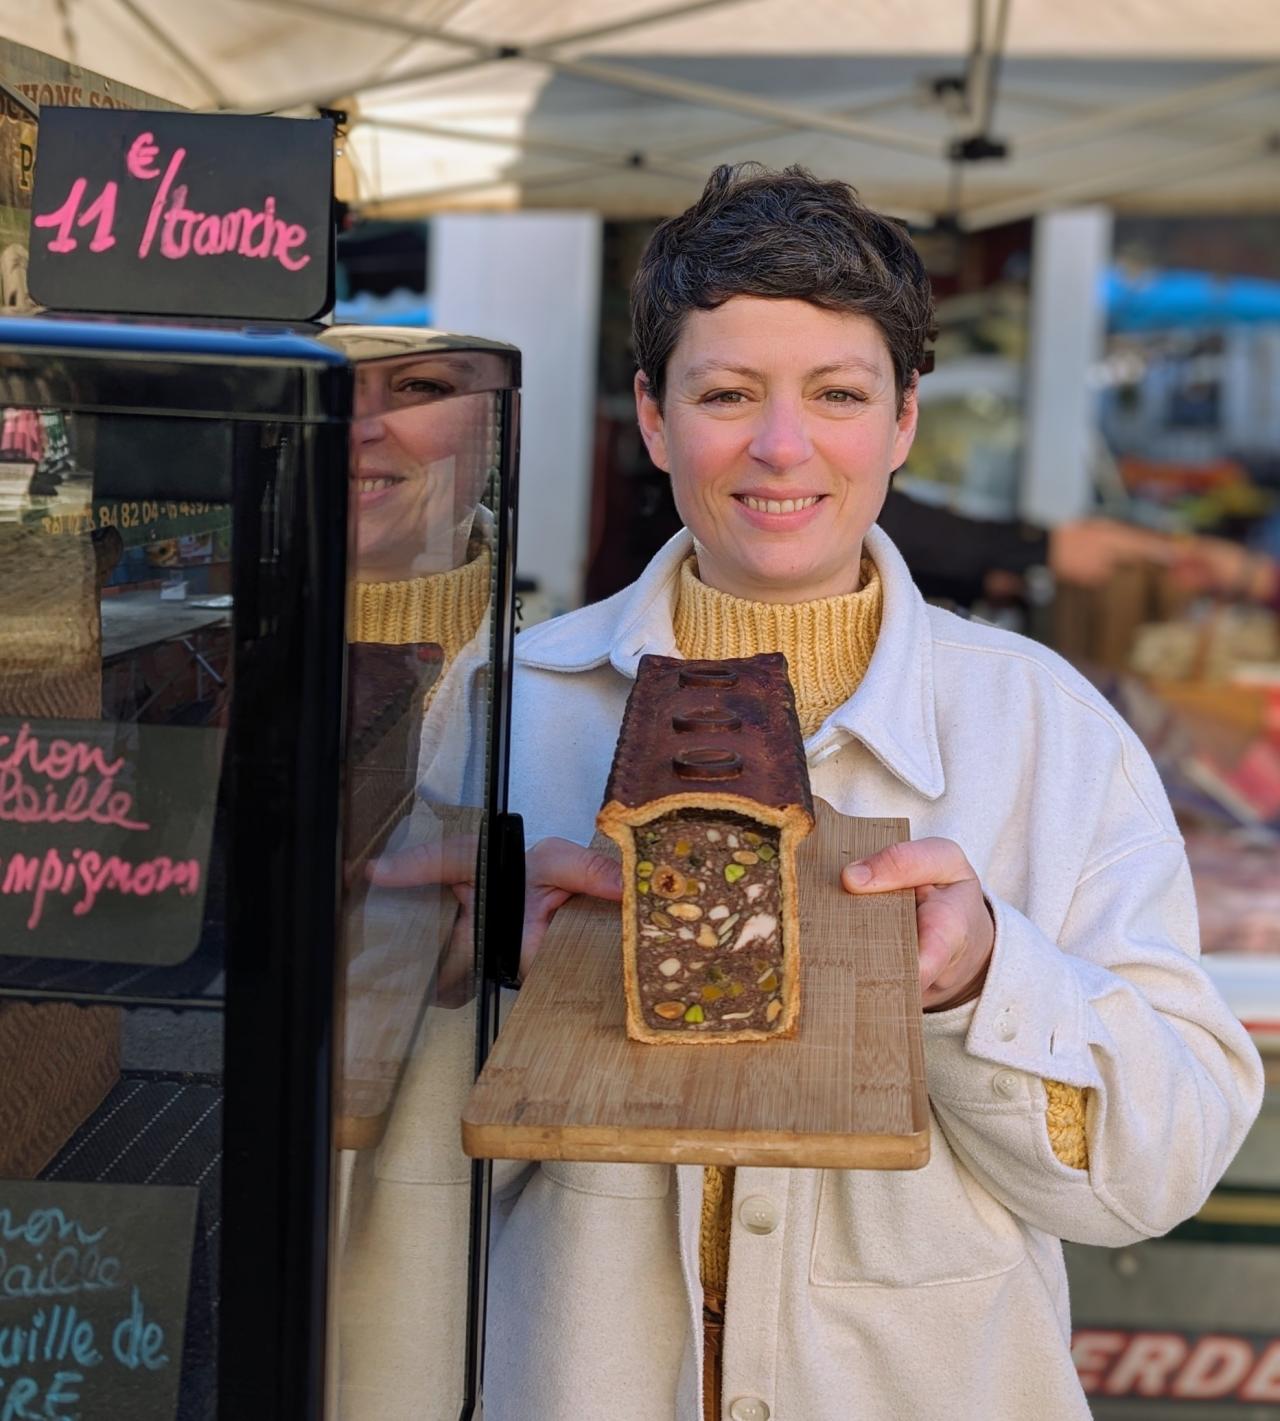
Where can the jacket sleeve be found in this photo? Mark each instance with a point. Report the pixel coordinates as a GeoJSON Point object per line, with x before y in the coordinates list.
{"type": "Point", "coordinates": [1120, 1007]}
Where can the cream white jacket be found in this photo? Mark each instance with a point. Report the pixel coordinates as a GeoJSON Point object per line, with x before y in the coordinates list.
{"type": "Point", "coordinates": [938, 1293]}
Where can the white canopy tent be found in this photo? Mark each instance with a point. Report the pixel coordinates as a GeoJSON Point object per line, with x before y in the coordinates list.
{"type": "Point", "coordinates": [982, 111]}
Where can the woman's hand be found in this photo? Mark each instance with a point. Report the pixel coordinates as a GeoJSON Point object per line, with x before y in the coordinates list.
{"type": "Point", "coordinates": [554, 871]}
{"type": "Point", "coordinates": [954, 926]}
{"type": "Point", "coordinates": [442, 863]}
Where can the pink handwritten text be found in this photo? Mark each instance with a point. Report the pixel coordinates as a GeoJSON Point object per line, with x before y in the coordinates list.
{"type": "Point", "coordinates": [183, 229]}
{"type": "Point", "coordinates": [85, 875]}
{"type": "Point", "coordinates": [82, 789]}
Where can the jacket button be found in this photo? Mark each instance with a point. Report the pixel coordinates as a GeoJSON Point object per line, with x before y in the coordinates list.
{"type": "Point", "coordinates": [749, 1408]}
{"type": "Point", "coordinates": [1006, 1026]}
{"type": "Point", "coordinates": [758, 1214]}
{"type": "Point", "coordinates": [1007, 1084]}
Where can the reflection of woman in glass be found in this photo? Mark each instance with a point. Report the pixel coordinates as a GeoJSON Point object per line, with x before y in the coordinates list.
{"type": "Point", "coordinates": [422, 448]}
{"type": "Point", "coordinates": [424, 444]}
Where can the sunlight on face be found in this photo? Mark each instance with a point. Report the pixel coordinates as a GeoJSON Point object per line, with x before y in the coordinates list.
{"type": "Point", "coordinates": [423, 440]}
{"type": "Point", "coordinates": [779, 429]}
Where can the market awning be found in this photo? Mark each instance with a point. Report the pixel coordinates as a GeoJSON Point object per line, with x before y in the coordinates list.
{"type": "Point", "coordinates": [985, 112]}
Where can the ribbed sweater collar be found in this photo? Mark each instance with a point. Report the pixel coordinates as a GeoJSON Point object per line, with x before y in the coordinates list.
{"type": "Point", "coordinates": [446, 608]}
{"type": "Point", "coordinates": [827, 642]}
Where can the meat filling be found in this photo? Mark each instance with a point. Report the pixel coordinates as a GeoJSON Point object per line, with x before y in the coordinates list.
{"type": "Point", "coordinates": [709, 945]}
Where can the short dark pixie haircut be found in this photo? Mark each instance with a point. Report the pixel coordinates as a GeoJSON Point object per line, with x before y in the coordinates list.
{"type": "Point", "coordinates": [758, 232]}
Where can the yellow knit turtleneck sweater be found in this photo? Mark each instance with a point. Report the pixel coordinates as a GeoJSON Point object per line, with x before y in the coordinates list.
{"type": "Point", "coordinates": [445, 607]}
{"type": "Point", "coordinates": [828, 645]}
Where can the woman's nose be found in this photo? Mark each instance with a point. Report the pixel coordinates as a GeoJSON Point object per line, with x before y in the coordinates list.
{"type": "Point", "coordinates": [780, 438]}
{"type": "Point", "coordinates": [367, 428]}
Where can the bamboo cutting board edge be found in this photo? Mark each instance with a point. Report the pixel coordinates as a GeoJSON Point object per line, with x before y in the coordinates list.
{"type": "Point", "coordinates": [755, 1149]}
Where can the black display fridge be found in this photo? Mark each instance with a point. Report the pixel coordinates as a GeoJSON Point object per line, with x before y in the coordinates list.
{"type": "Point", "coordinates": [255, 896]}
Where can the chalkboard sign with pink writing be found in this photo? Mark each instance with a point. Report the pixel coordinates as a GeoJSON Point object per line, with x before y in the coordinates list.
{"type": "Point", "coordinates": [105, 830]}
{"type": "Point", "coordinates": [158, 213]}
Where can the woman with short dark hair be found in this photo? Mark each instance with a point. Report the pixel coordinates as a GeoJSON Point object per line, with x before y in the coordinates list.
{"type": "Point", "coordinates": [1086, 1080]}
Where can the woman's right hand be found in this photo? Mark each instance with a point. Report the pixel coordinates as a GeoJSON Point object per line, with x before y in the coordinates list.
{"type": "Point", "coordinates": [556, 869]}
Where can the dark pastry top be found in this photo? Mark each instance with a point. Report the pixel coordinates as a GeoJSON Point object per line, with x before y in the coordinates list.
{"type": "Point", "coordinates": [711, 727]}
{"type": "Point", "coordinates": [386, 687]}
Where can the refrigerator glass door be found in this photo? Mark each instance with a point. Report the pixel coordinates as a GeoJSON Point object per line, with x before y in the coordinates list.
{"type": "Point", "coordinates": [429, 540]}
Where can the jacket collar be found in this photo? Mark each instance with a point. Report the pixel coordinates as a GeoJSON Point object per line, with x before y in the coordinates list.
{"type": "Point", "coordinates": [892, 713]}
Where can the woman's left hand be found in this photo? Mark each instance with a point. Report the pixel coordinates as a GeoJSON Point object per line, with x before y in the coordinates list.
{"type": "Point", "coordinates": [954, 926]}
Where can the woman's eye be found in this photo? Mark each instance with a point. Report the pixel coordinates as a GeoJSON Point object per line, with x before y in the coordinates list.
{"type": "Point", "coordinates": [435, 388]}
{"type": "Point", "coordinates": [843, 397]}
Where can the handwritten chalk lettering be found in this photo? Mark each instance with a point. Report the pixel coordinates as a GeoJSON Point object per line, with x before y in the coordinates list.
{"type": "Point", "coordinates": [56, 761]}
{"type": "Point", "coordinates": [41, 1225]}
{"type": "Point", "coordinates": [85, 802]}
{"type": "Point", "coordinates": [137, 1342]}
{"type": "Point", "coordinates": [182, 229]}
{"type": "Point", "coordinates": [88, 874]}
{"type": "Point", "coordinates": [53, 1334]}
{"type": "Point", "coordinates": [25, 1392]}
{"type": "Point", "coordinates": [62, 1273]}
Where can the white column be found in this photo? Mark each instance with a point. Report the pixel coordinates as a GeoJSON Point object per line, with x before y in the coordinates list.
{"type": "Point", "coordinates": [533, 278]}
{"type": "Point", "coordinates": [1069, 255]}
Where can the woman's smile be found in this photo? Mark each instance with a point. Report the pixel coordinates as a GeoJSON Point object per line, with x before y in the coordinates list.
{"type": "Point", "coordinates": [783, 514]}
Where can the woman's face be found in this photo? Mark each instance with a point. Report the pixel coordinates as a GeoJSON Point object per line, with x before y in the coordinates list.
{"type": "Point", "coordinates": [779, 429]}
{"type": "Point", "coordinates": [420, 453]}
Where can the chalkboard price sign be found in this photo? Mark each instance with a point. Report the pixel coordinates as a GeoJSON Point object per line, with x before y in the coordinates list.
{"type": "Point", "coordinates": [159, 213]}
{"type": "Point", "coordinates": [105, 832]}
{"type": "Point", "coordinates": [93, 1299]}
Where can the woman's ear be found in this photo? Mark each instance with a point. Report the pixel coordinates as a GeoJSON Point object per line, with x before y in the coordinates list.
{"type": "Point", "coordinates": [652, 428]}
{"type": "Point", "coordinates": [904, 435]}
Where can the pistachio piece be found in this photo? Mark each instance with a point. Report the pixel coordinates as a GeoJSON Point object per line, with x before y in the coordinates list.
{"type": "Point", "coordinates": [644, 868]}
{"type": "Point", "coordinates": [668, 882]}
{"type": "Point", "coordinates": [733, 872]}
{"type": "Point", "coordinates": [712, 993]}
{"type": "Point", "coordinates": [707, 936]}
{"type": "Point", "coordinates": [768, 982]}
{"type": "Point", "coordinates": [718, 912]}
{"type": "Point", "coordinates": [735, 989]}
{"type": "Point", "coordinates": [695, 1014]}
{"type": "Point", "coordinates": [745, 856]}
{"type": "Point", "coordinates": [766, 852]}
{"type": "Point", "coordinates": [682, 849]}
{"type": "Point", "coordinates": [774, 1010]}
{"type": "Point", "coordinates": [752, 838]}
{"type": "Point", "coordinates": [660, 920]}
{"type": "Point", "coordinates": [692, 888]}
{"type": "Point", "coordinates": [642, 885]}
{"type": "Point", "coordinates": [717, 974]}
{"type": "Point", "coordinates": [690, 912]}
{"type": "Point", "coordinates": [669, 1011]}
{"type": "Point", "coordinates": [670, 967]}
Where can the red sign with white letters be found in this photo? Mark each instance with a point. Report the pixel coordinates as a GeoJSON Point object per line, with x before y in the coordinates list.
{"type": "Point", "coordinates": [1169, 1366]}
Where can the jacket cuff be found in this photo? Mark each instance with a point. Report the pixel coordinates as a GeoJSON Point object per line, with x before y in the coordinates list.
{"type": "Point", "coordinates": [1030, 1017]}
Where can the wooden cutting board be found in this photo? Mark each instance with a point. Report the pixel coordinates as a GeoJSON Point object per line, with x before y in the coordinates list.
{"type": "Point", "coordinates": [848, 1092]}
